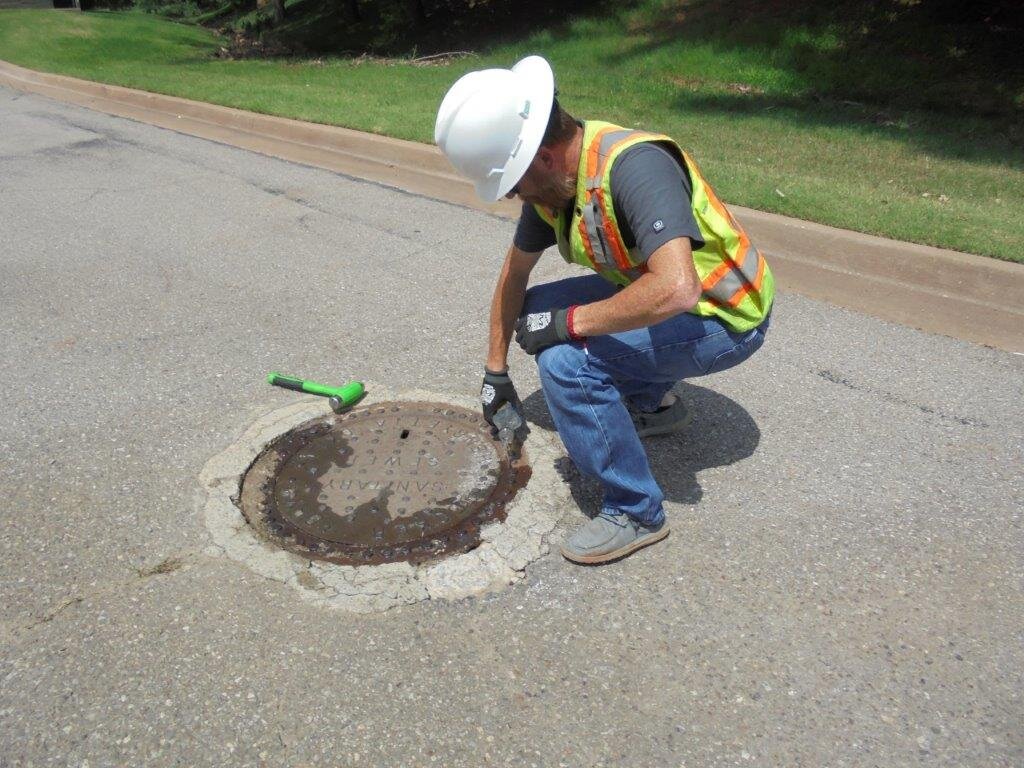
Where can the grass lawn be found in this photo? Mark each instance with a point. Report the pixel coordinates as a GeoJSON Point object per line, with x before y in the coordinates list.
{"type": "Point", "coordinates": [782, 119]}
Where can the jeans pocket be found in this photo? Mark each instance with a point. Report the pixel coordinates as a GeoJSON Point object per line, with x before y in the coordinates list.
{"type": "Point", "coordinates": [740, 351]}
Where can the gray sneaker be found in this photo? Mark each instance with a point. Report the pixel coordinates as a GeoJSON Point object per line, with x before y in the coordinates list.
{"type": "Point", "coordinates": [608, 537]}
{"type": "Point", "coordinates": [671, 418]}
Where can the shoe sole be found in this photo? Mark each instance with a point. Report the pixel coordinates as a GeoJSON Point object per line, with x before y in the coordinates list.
{"type": "Point", "coordinates": [666, 429]}
{"type": "Point", "coordinates": [617, 554]}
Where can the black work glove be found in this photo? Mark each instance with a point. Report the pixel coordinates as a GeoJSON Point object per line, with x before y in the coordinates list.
{"type": "Point", "coordinates": [541, 330]}
{"type": "Point", "coordinates": [497, 390]}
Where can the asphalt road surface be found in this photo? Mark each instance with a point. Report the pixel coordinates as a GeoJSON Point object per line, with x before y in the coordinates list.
{"type": "Point", "coordinates": [842, 586]}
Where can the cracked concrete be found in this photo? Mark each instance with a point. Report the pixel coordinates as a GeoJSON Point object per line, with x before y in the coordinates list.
{"type": "Point", "coordinates": [506, 548]}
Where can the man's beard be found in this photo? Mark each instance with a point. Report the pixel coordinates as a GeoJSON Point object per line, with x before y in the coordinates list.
{"type": "Point", "coordinates": [555, 192]}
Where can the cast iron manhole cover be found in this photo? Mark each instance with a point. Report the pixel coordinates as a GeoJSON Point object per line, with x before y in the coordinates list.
{"type": "Point", "coordinates": [394, 481]}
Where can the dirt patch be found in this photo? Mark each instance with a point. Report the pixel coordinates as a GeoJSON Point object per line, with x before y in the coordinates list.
{"type": "Point", "coordinates": [168, 565]}
{"type": "Point", "coordinates": [242, 47]}
{"type": "Point", "coordinates": [697, 83]}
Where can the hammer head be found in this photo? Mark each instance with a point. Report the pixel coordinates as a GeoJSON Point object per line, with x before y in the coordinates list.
{"type": "Point", "coordinates": [512, 429]}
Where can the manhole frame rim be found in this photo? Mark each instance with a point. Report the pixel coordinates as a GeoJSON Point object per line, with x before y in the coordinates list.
{"type": "Point", "coordinates": [539, 511]}
{"type": "Point", "coordinates": [272, 527]}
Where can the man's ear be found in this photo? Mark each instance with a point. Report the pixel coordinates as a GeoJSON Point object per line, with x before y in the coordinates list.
{"type": "Point", "coordinates": [545, 159]}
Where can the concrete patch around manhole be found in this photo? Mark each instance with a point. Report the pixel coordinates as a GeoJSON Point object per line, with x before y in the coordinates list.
{"type": "Point", "coordinates": [505, 551]}
{"type": "Point", "coordinates": [386, 482]}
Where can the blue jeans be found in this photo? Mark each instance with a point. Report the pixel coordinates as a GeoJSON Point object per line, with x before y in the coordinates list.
{"type": "Point", "coordinates": [586, 384]}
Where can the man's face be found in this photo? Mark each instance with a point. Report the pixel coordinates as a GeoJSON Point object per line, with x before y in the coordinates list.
{"type": "Point", "coordinates": [541, 185]}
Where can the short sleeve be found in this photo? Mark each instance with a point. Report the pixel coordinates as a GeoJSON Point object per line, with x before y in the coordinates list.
{"type": "Point", "coordinates": [651, 193]}
{"type": "Point", "coordinates": [533, 234]}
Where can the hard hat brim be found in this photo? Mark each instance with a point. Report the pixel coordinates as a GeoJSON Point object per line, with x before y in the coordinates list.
{"type": "Point", "coordinates": [539, 82]}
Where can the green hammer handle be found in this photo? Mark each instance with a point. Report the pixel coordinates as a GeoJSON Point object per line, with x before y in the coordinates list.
{"type": "Point", "coordinates": [347, 394]}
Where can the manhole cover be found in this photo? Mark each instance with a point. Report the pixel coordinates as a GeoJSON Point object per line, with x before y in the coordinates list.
{"type": "Point", "coordinates": [396, 481]}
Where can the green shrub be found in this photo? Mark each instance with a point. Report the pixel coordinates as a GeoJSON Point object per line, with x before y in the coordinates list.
{"type": "Point", "coordinates": [174, 9]}
{"type": "Point", "coordinates": [105, 5]}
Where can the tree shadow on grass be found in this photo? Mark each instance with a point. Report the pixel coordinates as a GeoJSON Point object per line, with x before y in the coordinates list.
{"type": "Point", "coordinates": [722, 432]}
{"type": "Point", "coordinates": [426, 27]}
{"type": "Point", "coordinates": [940, 55]}
{"type": "Point", "coordinates": [940, 75]}
{"type": "Point", "coordinates": [943, 76]}
{"type": "Point", "coordinates": [970, 139]}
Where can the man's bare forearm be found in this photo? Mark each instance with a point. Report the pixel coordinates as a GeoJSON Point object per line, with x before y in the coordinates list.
{"type": "Point", "coordinates": [671, 286]}
{"type": "Point", "coordinates": [506, 306]}
{"type": "Point", "coordinates": [639, 305]}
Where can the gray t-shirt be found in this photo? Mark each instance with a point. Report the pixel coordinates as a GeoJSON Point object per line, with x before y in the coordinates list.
{"type": "Point", "coordinates": [651, 196]}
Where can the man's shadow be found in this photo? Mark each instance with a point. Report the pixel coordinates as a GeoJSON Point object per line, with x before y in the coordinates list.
{"type": "Point", "coordinates": [721, 433]}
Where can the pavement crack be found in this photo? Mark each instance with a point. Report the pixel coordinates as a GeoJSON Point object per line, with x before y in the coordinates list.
{"type": "Point", "coordinates": [168, 565]}
{"type": "Point", "coordinates": [53, 614]}
{"type": "Point", "coordinates": [837, 378]}
{"type": "Point", "coordinates": [293, 197]}
{"type": "Point", "coordinates": [94, 194]}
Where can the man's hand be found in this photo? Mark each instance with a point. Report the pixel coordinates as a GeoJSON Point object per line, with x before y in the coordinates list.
{"type": "Point", "coordinates": [497, 390]}
{"type": "Point", "coordinates": [541, 330]}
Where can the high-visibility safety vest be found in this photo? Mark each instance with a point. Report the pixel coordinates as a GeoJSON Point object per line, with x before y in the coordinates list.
{"type": "Point", "coordinates": [737, 285]}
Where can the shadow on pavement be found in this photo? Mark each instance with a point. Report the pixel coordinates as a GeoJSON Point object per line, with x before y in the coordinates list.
{"type": "Point", "coordinates": [721, 433]}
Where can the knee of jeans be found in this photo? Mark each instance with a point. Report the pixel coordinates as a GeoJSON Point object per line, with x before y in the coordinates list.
{"type": "Point", "coordinates": [561, 362]}
{"type": "Point", "coordinates": [530, 301]}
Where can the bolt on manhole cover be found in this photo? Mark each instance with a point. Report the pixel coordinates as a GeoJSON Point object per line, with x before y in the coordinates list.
{"type": "Point", "coordinates": [396, 481]}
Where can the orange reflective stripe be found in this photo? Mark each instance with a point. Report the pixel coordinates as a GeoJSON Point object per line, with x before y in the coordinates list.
{"type": "Point", "coordinates": [612, 235]}
{"type": "Point", "coordinates": [751, 277]}
{"type": "Point", "coordinates": [719, 272]}
{"type": "Point", "coordinates": [732, 301]}
{"type": "Point", "coordinates": [593, 159]}
{"type": "Point", "coordinates": [746, 286]}
{"type": "Point", "coordinates": [730, 264]}
{"type": "Point", "coordinates": [736, 298]}
{"type": "Point", "coordinates": [715, 275]}
{"type": "Point", "coordinates": [729, 277]}
{"type": "Point", "coordinates": [712, 197]}
{"type": "Point", "coordinates": [587, 245]}
{"type": "Point", "coordinates": [611, 231]}
{"type": "Point", "coordinates": [594, 151]}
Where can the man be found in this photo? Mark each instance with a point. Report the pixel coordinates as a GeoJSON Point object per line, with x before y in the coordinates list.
{"type": "Point", "coordinates": [679, 291]}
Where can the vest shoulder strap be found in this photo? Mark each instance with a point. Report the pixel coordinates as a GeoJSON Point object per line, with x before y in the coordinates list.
{"type": "Point", "coordinates": [606, 144]}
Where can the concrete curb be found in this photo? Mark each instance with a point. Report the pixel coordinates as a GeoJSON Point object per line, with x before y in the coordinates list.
{"type": "Point", "coordinates": [941, 291]}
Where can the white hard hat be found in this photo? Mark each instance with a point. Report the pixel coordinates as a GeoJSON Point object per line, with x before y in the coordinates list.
{"type": "Point", "coordinates": [491, 123]}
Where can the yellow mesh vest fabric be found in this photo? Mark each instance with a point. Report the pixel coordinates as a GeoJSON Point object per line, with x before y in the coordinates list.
{"type": "Point", "coordinates": [737, 285]}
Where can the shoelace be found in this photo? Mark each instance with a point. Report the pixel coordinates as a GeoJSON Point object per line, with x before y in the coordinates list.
{"type": "Point", "coordinates": [613, 518]}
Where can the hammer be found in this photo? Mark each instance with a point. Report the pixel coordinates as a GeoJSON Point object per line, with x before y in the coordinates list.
{"type": "Point", "coordinates": [512, 429]}
{"type": "Point", "coordinates": [339, 398]}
